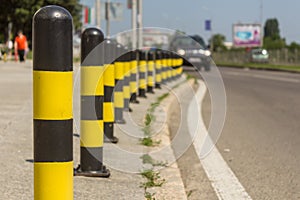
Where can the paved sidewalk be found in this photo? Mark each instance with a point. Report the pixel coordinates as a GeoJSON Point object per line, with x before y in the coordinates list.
{"type": "Point", "coordinates": [123, 159]}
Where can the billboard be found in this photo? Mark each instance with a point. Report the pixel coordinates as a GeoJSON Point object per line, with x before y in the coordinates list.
{"type": "Point", "coordinates": [247, 35]}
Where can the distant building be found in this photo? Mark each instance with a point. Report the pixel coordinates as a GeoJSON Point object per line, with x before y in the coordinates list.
{"type": "Point", "coordinates": [152, 37]}
{"type": "Point", "coordinates": [228, 45]}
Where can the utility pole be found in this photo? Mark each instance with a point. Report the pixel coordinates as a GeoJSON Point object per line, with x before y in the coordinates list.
{"type": "Point", "coordinates": [107, 16]}
{"type": "Point", "coordinates": [98, 13]}
{"type": "Point", "coordinates": [140, 24]}
{"type": "Point", "coordinates": [133, 23]}
{"type": "Point", "coordinates": [261, 12]}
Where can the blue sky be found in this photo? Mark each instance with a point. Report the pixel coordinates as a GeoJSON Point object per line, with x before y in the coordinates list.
{"type": "Point", "coordinates": [189, 15]}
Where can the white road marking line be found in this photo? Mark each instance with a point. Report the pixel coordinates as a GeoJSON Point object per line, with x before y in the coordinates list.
{"type": "Point", "coordinates": [291, 80]}
{"type": "Point", "coordinates": [223, 180]}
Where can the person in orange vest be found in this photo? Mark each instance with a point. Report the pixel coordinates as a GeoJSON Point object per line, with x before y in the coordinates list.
{"type": "Point", "coordinates": [21, 46]}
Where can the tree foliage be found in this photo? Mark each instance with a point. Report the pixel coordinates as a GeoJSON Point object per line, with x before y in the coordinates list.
{"type": "Point", "coordinates": [20, 14]}
{"type": "Point", "coordinates": [271, 29]}
{"type": "Point", "coordinates": [217, 41]}
{"type": "Point", "coordinates": [272, 39]}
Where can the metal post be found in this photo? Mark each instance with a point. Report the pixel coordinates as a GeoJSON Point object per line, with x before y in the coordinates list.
{"type": "Point", "coordinates": [127, 74]}
{"type": "Point", "coordinates": [98, 13]}
{"type": "Point", "coordinates": [133, 79]}
{"type": "Point", "coordinates": [150, 75]}
{"type": "Point", "coordinates": [109, 84]}
{"type": "Point", "coordinates": [158, 69]}
{"type": "Point", "coordinates": [164, 67]}
{"type": "Point", "coordinates": [92, 96]}
{"type": "Point", "coordinates": [52, 103]}
{"type": "Point", "coordinates": [119, 83]}
{"type": "Point", "coordinates": [107, 13]}
{"type": "Point", "coordinates": [142, 74]}
{"type": "Point", "coordinates": [140, 24]}
{"type": "Point", "coordinates": [133, 24]}
{"type": "Point", "coordinates": [169, 66]}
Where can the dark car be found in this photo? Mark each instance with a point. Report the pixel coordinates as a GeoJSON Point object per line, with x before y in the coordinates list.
{"type": "Point", "coordinates": [193, 52]}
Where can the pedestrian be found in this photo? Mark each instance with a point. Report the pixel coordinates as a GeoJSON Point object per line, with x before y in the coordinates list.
{"type": "Point", "coordinates": [21, 46]}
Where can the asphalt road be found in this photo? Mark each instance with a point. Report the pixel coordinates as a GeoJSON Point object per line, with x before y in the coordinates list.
{"type": "Point", "coordinates": [261, 137]}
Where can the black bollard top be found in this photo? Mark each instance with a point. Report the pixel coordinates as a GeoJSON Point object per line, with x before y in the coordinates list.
{"type": "Point", "coordinates": [151, 55]}
{"type": "Point", "coordinates": [142, 55]}
{"type": "Point", "coordinates": [158, 54]}
{"type": "Point", "coordinates": [133, 55]}
{"type": "Point", "coordinates": [109, 48]}
{"type": "Point", "coordinates": [91, 47]}
{"type": "Point", "coordinates": [127, 54]}
{"type": "Point", "coordinates": [52, 39]}
{"type": "Point", "coordinates": [120, 53]}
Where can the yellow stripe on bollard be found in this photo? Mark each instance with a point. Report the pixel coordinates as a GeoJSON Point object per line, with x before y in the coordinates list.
{"type": "Point", "coordinates": [119, 74]}
{"type": "Point", "coordinates": [143, 66]}
{"type": "Point", "coordinates": [142, 84]}
{"type": "Point", "coordinates": [93, 84]}
{"type": "Point", "coordinates": [52, 95]}
{"type": "Point", "coordinates": [150, 81]}
{"type": "Point", "coordinates": [91, 140]}
{"type": "Point", "coordinates": [118, 100]}
{"type": "Point", "coordinates": [133, 70]}
{"type": "Point", "coordinates": [108, 110]}
{"type": "Point", "coordinates": [109, 73]}
{"type": "Point", "coordinates": [53, 180]}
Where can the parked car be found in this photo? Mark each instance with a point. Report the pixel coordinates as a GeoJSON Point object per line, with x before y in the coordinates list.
{"type": "Point", "coordinates": [259, 56]}
{"type": "Point", "coordinates": [193, 52]}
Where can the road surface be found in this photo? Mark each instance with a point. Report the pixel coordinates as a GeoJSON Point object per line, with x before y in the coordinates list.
{"type": "Point", "coordinates": [261, 138]}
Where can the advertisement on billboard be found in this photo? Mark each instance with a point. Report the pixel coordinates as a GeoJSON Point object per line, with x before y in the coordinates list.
{"type": "Point", "coordinates": [247, 35]}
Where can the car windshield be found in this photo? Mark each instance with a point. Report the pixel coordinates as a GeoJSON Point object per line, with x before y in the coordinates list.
{"type": "Point", "coordinates": [259, 52]}
{"type": "Point", "coordinates": [186, 42]}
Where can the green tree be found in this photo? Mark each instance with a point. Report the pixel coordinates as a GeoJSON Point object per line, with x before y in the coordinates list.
{"type": "Point", "coordinates": [294, 46]}
{"type": "Point", "coordinates": [217, 41]}
{"type": "Point", "coordinates": [20, 14]}
{"type": "Point", "coordinates": [271, 29]}
{"type": "Point", "coordinates": [272, 39]}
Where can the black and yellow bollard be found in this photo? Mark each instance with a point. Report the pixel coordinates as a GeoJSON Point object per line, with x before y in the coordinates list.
{"type": "Point", "coordinates": [92, 97]}
{"type": "Point", "coordinates": [109, 48]}
{"type": "Point", "coordinates": [52, 104]}
{"type": "Point", "coordinates": [179, 62]}
{"type": "Point", "coordinates": [151, 67]}
{"type": "Point", "coordinates": [158, 69]}
{"type": "Point", "coordinates": [169, 66]}
{"type": "Point", "coordinates": [164, 67]}
{"type": "Point", "coordinates": [174, 66]}
{"type": "Point", "coordinates": [119, 83]}
{"type": "Point", "coordinates": [142, 74]}
{"type": "Point", "coordinates": [127, 73]}
{"type": "Point", "coordinates": [133, 74]}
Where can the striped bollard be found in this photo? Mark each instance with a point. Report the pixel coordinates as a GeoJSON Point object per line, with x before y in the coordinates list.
{"type": "Point", "coordinates": [174, 66]}
{"type": "Point", "coordinates": [52, 104]}
{"type": "Point", "coordinates": [92, 96]}
{"type": "Point", "coordinates": [119, 83]}
{"type": "Point", "coordinates": [158, 69]}
{"type": "Point", "coordinates": [133, 79]}
{"type": "Point", "coordinates": [127, 74]}
{"type": "Point", "coordinates": [164, 67]}
{"type": "Point", "coordinates": [142, 74]}
{"type": "Point", "coordinates": [109, 84]}
{"type": "Point", "coordinates": [169, 66]}
{"type": "Point", "coordinates": [151, 68]}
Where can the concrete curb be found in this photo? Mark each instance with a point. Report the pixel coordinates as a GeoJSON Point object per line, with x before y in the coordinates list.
{"type": "Point", "coordinates": [174, 187]}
